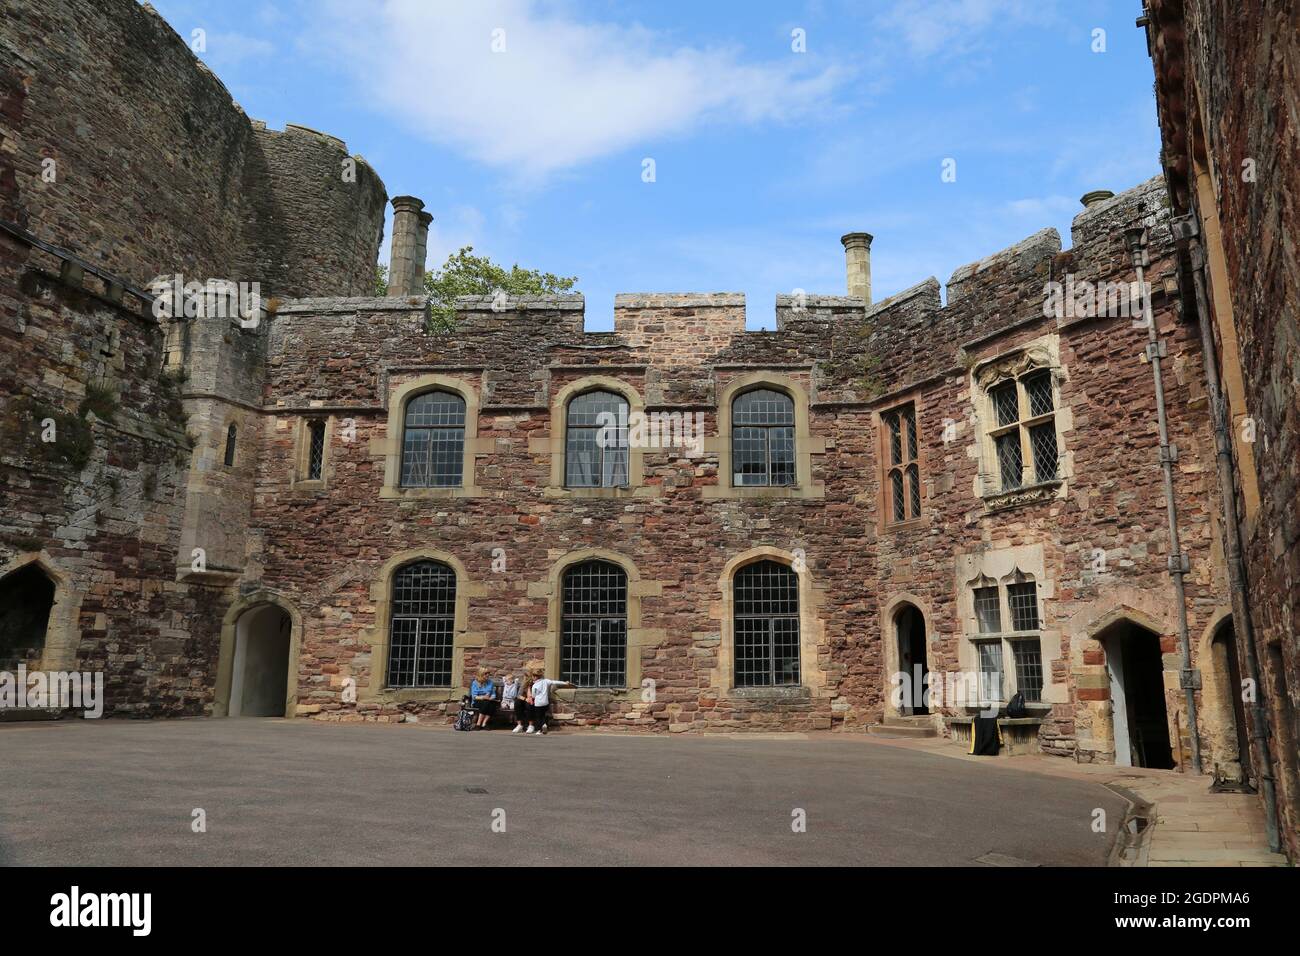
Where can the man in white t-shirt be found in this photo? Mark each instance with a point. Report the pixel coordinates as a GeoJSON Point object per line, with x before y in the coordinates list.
{"type": "Point", "coordinates": [540, 698]}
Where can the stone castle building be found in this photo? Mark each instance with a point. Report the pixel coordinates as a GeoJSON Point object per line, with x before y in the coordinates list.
{"type": "Point", "coordinates": [328, 509]}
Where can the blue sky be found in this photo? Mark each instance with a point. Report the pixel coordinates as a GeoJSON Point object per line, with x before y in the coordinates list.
{"type": "Point", "coordinates": [763, 156]}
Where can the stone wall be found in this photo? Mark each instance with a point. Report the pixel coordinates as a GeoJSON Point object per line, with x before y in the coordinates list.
{"type": "Point", "coordinates": [1226, 81]}
{"type": "Point", "coordinates": [327, 548]}
{"type": "Point", "coordinates": [99, 507]}
{"type": "Point", "coordinates": [157, 171]}
{"type": "Point", "coordinates": [122, 158]}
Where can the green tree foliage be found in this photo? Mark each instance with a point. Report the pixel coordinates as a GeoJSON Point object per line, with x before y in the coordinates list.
{"type": "Point", "coordinates": [467, 274]}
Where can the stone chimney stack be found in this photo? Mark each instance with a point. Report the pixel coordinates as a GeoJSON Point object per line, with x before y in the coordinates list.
{"type": "Point", "coordinates": [410, 243]}
{"type": "Point", "coordinates": [1094, 197]}
{"type": "Point", "coordinates": [857, 259]}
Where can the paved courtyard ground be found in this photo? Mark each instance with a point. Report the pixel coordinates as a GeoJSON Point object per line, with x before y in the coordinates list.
{"type": "Point", "coordinates": [294, 792]}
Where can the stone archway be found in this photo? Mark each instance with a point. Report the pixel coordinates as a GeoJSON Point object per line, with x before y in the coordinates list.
{"type": "Point", "coordinates": [257, 674]}
{"type": "Point", "coordinates": [40, 615]}
{"type": "Point", "coordinates": [910, 637]}
{"type": "Point", "coordinates": [1140, 712]}
{"type": "Point", "coordinates": [26, 600]}
{"type": "Point", "coordinates": [1224, 721]}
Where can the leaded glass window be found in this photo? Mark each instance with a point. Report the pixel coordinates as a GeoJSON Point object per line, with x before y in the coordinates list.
{"type": "Point", "coordinates": [990, 663]}
{"type": "Point", "coordinates": [1025, 443]}
{"type": "Point", "coordinates": [433, 441]}
{"type": "Point", "coordinates": [422, 625]}
{"type": "Point", "coordinates": [766, 625]}
{"type": "Point", "coordinates": [1029, 668]}
{"type": "Point", "coordinates": [762, 439]}
{"type": "Point", "coordinates": [1023, 602]}
{"type": "Point", "coordinates": [593, 641]}
{"type": "Point", "coordinates": [988, 610]}
{"type": "Point", "coordinates": [596, 449]}
{"type": "Point", "coordinates": [315, 450]}
{"type": "Point", "coordinates": [903, 474]}
{"type": "Point", "coordinates": [1020, 643]}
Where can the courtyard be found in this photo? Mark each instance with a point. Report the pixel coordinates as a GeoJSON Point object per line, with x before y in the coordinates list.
{"type": "Point", "coordinates": [279, 792]}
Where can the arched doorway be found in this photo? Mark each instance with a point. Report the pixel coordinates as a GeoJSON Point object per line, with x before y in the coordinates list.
{"type": "Point", "coordinates": [909, 631]}
{"type": "Point", "coordinates": [1227, 680]}
{"type": "Point", "coordinates": [1140, 718]}
{"type": "Point", "coordinates": [26, 600]}
{"type": "Point", "coordinates": [259, 678]}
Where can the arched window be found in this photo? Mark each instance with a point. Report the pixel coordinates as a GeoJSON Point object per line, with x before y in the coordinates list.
{"type": "Point", "coordinates": [595, 445]}
{"type": "Point", "coordinates": [903, 483]}
{"type": "Point", "coordinates": [230, 445]}
{"type": "Point", "coordinates": [433, 441]}
{"type": "Point", "coordinates": [762, 438]}
{"type": "Point", "coordinates": [422, 626]}
{"type": "Point", "coordinates": [766, 608]}
{"type": "Point", "coordinates": [593, 641]}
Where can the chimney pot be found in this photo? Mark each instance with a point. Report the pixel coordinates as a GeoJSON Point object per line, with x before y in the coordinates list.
{"type": "Point", "coordinates": [857, 261]}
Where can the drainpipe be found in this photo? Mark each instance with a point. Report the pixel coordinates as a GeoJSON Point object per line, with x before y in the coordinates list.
{"type": "Point", "coordinates": [1187, 230]}
{"type": "Point", "coordinates": [1136, 237]}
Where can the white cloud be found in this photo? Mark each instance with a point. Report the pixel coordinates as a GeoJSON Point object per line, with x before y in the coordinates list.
{"type": "Point", "coordinates": [564, 91]}
{"type": "Point", "coordinates": [952, 28]}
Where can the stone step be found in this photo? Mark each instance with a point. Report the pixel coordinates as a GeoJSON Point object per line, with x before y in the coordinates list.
{"type": "Point", "coordinates": [908, 721]}
{"type": "Point", "coordinates": [889, 730]}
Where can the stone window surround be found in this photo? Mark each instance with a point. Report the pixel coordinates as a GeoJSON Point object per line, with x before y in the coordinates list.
{"type": "Point", "coordinates": [885, 522]}
{"type": "Point", "coordinates": [805, 443]}
{"type": "Point", "coordinates": [999, 568]}
{"type": "Point", "coordinates": [555, 445]}
{"type": "Point", "coordinates": [63, 630]}
{"type": "Point", "coordinates": [812, 632]}
{"type": "Point", "coordinates": [302, 453]}
{"type": "Point", "coordinates": [1042, 353]}
{"type": "Point", "coordinates": [381, 593]}
{"type": "Point", "coordinates": [547, 642]}
{"type": "Point", "coordinates": [389, 445]}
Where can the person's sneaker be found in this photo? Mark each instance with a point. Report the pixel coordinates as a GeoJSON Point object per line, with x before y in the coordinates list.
{"type": "Point", "coordinates": [543, 728]}
{"type": "Point", "coordinates": [518, 728]}
{"type": "Point", "coordinates": [531, 731]}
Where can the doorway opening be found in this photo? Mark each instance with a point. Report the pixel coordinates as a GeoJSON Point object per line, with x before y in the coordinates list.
{"type": "Point", "coordinates": [26, 600]}
{"type": "Point", "coordinates": [259, 679]}
{"type": "Point", "coordinates": [909, 627]}
{"type": "Point", "coordinates": [1227, 673]}
{"type": "Point", "coordinates": [1137, 690]}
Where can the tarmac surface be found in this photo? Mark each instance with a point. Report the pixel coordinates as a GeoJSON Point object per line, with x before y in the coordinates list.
{"type": "Point", "coordinates": [295, 792]}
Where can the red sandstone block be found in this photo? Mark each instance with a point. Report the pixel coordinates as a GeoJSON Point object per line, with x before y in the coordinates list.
{"type": "Point", "coordinates": [1094, 693]}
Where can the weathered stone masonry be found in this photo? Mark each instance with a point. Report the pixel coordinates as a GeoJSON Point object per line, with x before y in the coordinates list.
{"type": "Point", "coordinates": [122, 152]}
{"type": "Point", "coordinates": [196, 436]}
{"type": "Point", "coordinates": [1227, 85]}
{"type": "Point", "coordinates": [327, 548]}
